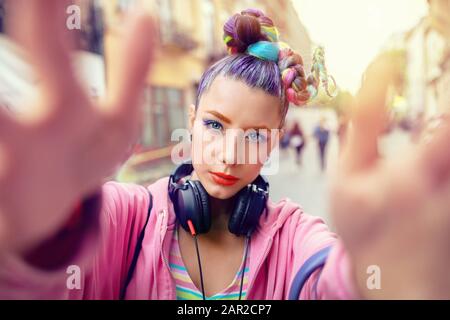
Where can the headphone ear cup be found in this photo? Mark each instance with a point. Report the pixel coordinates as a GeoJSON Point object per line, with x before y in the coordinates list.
{"type": "Point", "coordinates": [236, 224]}
{"type": "Point", "coordinates": [185, 204]}
{"type": "Point", "coordinates": [202, 220]}
{"type": "Point", "coordinates": [248, 208]}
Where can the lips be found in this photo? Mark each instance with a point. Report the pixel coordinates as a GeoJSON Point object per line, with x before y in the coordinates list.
{"type": "Point", "coordinates": [223, 179]}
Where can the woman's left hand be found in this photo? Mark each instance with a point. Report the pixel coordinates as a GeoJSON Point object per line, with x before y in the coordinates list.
{"type": "Point", "coordinates": [393, 214]}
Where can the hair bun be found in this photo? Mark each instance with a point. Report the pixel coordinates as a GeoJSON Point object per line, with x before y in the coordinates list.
{"type": "Point", "coordinates": [247, 28]}
{"type": "Point", "coordinates": [252, 26]}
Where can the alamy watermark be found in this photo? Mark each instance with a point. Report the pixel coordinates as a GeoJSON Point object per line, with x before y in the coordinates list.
{"type": "Point", "coordinates": [374, 280]}
{"type": "Point", "coordinates": [73, 281]}
{"type": "Point", "coordinates": [73, 21]}
{"type": "Point", "coordinates": [236, 146]}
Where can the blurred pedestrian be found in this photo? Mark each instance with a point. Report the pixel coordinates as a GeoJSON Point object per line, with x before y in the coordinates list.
{"type": "Point", "coordinates": [285, 140]}
{"type": "Point", "coordinates": [297, 141]}
{"type": "Point", "coordinates": [322, 134]}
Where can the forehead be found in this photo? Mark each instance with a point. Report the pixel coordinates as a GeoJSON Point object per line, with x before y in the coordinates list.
{"type": "Point", "coordinates": [243, 105]}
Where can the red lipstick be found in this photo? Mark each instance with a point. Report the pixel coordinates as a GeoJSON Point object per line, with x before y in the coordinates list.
{"type": "Point", "coordinates": [223, 179]}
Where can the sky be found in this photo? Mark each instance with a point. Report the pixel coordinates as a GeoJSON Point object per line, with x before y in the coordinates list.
{"type": "Point", "coordinates": [354, 31]}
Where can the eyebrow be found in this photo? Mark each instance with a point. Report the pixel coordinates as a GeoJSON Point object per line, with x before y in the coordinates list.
{"type": "Point", "coordinates": [220, 116]}
{"type": "Point", "coordinates": [225, 119]}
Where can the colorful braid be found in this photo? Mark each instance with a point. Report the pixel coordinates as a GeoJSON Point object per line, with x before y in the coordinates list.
{"type": "Point", "coordinates": [298, 88]}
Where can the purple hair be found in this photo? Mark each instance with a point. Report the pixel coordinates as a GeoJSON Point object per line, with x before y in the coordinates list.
{"type": "Point", "coordinates": [284, 79]}
{"type": "Point", "coordinates": [252, 71]}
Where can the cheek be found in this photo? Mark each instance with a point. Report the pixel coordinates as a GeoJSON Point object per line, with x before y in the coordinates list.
{"type": "Point", "coordinates": [257, 153]}
{"type": "Point", "coordinates": [250, 172]}
{"type": "Point", "coordinates": [205, 145]}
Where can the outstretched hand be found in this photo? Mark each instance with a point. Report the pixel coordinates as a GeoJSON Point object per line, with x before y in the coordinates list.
{"type": "Point", "coordinates": [53, 157]}
{"type": "Point", "coordinates": [393, 214]}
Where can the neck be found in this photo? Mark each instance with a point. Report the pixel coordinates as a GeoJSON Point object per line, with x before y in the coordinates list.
{"type": "Point", "coordinates": [220, 212]}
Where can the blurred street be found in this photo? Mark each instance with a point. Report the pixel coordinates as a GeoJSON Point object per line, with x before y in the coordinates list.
{"type": "Point", "coordinates": [303, 183]}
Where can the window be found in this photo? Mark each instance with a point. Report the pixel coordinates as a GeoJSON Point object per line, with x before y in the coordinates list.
{"type": "Point", "coordinates": [164, 112]}
{"type": "Point", "coordinates": [176, 109]}
{"type": "Point", "coordinates": [160, 125]}
{"type": "Point", "coordinates": [147, 121]}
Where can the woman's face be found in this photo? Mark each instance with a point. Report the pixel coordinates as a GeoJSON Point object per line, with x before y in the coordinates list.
{"type": "Point", "coordinates": [233, 132]}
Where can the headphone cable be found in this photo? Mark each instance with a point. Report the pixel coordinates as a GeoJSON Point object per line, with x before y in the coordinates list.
{"type": "Point", "coordinates": [194, 235]}
{"type": "Point", "coordinates": [247, 240]}
{"type": "Point", "coordinates": [200, 267]}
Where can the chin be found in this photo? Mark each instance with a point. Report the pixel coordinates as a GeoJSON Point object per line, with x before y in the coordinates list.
{"type": "Point", "coordinates": [221, 192]}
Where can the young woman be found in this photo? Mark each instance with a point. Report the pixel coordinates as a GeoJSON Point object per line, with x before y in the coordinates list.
{"type": "Point", "coordinates": [51, 161]}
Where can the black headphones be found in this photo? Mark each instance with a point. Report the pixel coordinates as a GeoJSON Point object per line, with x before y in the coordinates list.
{"type": "Point", "coordinates": [191, 203]}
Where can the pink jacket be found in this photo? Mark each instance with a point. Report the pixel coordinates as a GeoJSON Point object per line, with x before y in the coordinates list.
{"type": "Point", "coordinates": [285, 239]}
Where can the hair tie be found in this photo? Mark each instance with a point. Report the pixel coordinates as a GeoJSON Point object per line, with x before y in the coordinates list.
{"type": "Point", "coordinates": [264, 50]}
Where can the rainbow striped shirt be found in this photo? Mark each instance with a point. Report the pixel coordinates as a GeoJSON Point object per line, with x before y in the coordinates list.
{"type": "Point", "coordinates": [186, 289]}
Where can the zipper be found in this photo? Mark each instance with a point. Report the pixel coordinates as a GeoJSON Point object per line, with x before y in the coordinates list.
{"type": "Point", "coordinates": [266, 251]}
{"type": "Point", "coordinates": [163, 235]}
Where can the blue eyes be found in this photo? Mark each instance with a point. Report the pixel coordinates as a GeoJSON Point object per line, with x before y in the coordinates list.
{"type": "Point", "coordinates": [253, 136]}
{"type": "Point", "coordinates": [211, 124]}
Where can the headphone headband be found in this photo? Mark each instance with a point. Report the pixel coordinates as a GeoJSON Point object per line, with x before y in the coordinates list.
{"type": "Point", "coordinates": [183, 170]}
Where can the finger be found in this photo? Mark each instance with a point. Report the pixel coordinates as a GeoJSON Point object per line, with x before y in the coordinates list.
{"type": "Point", "coordinates": [3, 233]}
{"type": "Point", "coordinates": [130, 67]}
{"type": "Point", "coordinates": [40, 28]}
{"type": "Point", "coordinates": [7, 125]}
{"type": "Point", "coordinates": [8, 131]}
{"type": "Point", "coordinates": [369, 117]}
{"type": "Point", "coordinates": [434, 156]}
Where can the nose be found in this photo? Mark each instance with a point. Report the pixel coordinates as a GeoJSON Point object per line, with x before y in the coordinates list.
{"type": "Point", "coordinates": [231, 152]}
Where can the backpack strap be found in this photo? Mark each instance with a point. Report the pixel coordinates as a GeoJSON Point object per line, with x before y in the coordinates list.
{"type": "Point", "coordinates": [315, 262]}
{"type": "Point", "coordinates": [137, 250]}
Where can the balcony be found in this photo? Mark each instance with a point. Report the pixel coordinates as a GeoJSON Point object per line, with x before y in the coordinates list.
{"type": "Point", "coordinates": [176, 37]}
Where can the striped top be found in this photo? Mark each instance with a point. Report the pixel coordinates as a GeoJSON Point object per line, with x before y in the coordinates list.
{"type": "Point", "coordinates": [186, 289]}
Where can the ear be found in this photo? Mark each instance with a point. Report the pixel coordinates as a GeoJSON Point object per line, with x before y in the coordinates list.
{"type": "Point", "coordinates": [192, 114]}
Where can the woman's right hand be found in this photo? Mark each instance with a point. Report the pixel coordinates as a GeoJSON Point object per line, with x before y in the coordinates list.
{"type": "Point", "coordinates": [62, 151]}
